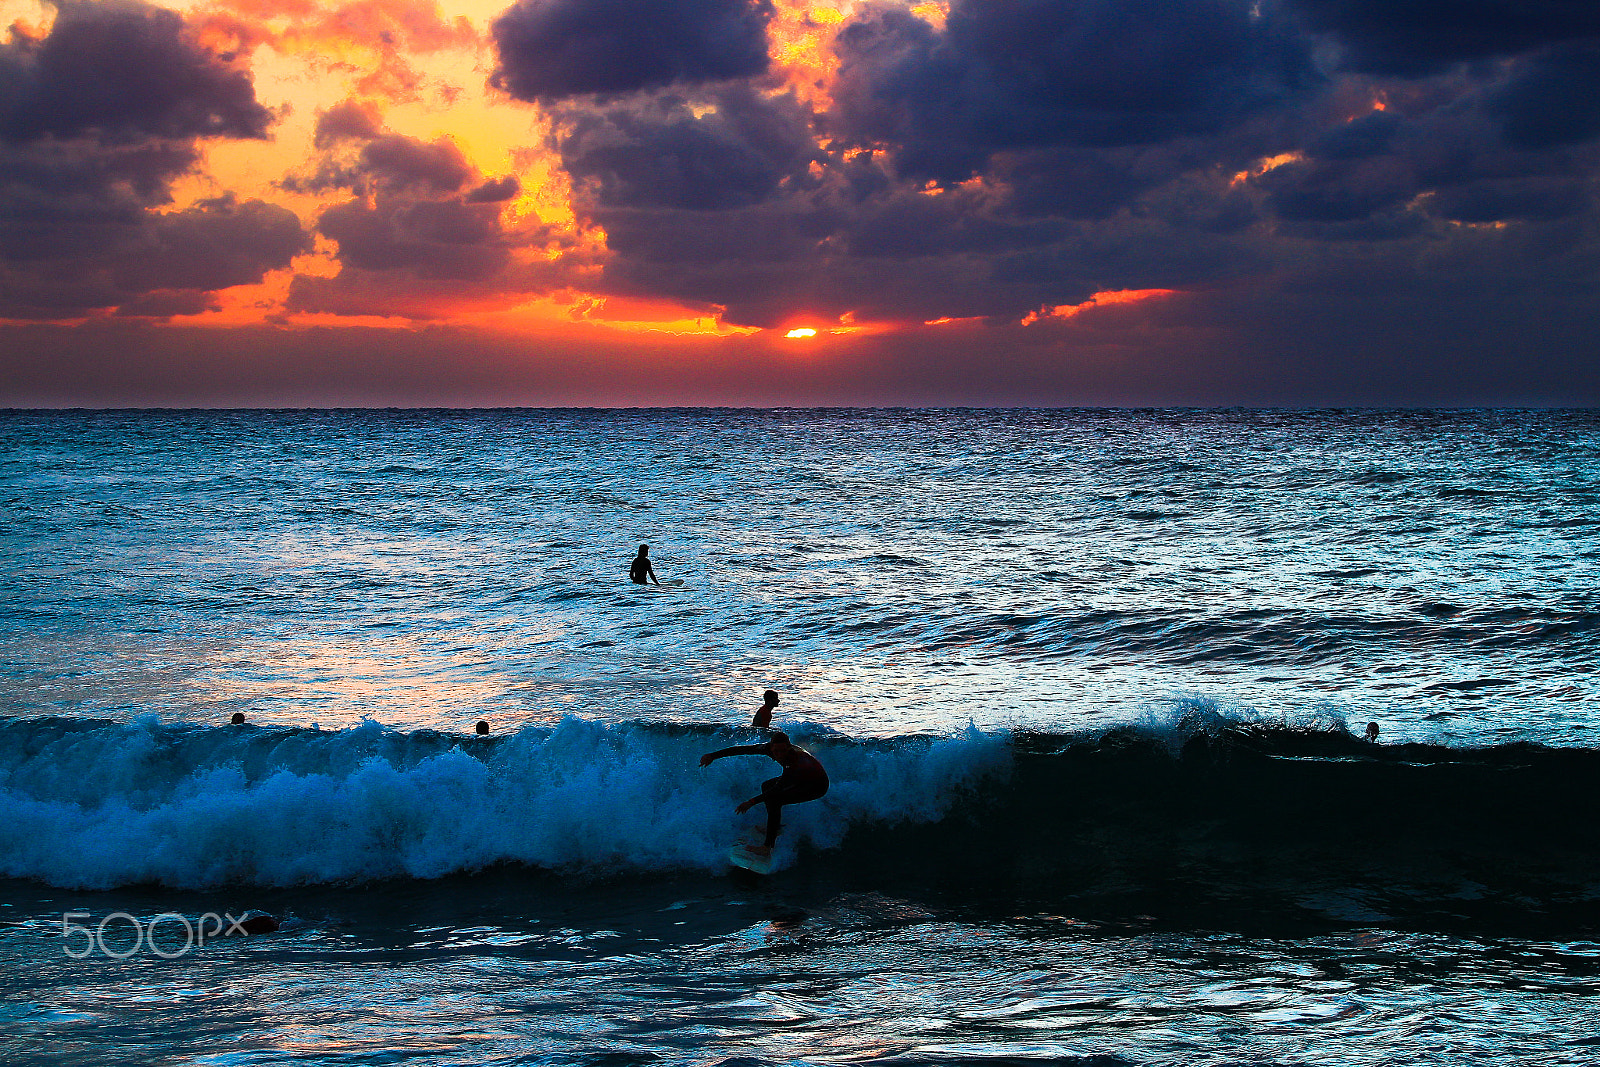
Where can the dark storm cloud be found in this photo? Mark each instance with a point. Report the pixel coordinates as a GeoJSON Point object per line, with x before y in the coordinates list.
{"type": "Point", "coordinates": [555, 49]}
{"type": "Point", "coordinates": [1077, 182]}
{"type": "Point", "coordinates": [1553, 99]}
{"type": "Point", "coordinates": [726, 200]}
{"type": "Point", "coordinates": [1516, 143]}
{"type": "Point", "coordinates": [661, 153]}
{"type": "Point", "coordinates": [1040, 73]}
{"type": "Point", "coordinates": [97, 120]}
{"type": "Point", "coordinates": [434, 239]}
{"type": "Point", "coordinates": [213, 245]}
{"type": "Point", "coordinates": [80, 198]}
{"type": "Point", "coordinates": [1514, 199]}
{"type": "Point", "coordinates": [111, 253]}
{"type": "Point", "coordinates": [1416, 37]}
{"type": "Point", "coordinates": [165, 305]}
{"type": "Point", "coordinates": [1339, 190]}
{"type": "Point", "coordinates": [1361, 138]}
{"type": "Point", "coordinates": [123, 70]}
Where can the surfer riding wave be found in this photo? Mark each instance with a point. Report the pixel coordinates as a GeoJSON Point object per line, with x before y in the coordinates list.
{"type": "Point", "coordinates": [803, 779]}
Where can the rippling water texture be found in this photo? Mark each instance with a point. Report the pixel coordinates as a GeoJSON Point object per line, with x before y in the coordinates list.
{"type": "Point", "coordinates": [1081, 680]}
{"type": "Point", "coordinates": [887, 571]}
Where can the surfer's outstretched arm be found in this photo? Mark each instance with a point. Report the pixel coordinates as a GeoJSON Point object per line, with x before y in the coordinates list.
{"type": "Point", "coordinates": [737, 750]}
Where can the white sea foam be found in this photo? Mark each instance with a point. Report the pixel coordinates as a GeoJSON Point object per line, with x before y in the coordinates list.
{"type": "Point", "coordinates": [97, 804]}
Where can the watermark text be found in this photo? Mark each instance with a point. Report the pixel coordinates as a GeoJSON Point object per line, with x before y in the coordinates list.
{"type": "Point", "coordinates": [120, 935]}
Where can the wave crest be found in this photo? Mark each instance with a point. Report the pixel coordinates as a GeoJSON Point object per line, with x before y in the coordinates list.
{"type": "Point", "coordinates": [95, 804]}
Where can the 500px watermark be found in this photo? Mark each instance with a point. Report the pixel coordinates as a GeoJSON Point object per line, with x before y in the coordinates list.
{"type": "Point", "coordinates": [80, 941]}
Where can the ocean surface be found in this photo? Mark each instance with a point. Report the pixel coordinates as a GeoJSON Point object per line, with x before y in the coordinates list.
{"type": "Point", "coordinates": [1092, 688]}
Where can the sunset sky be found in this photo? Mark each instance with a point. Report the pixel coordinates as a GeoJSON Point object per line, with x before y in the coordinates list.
{"type": "Point", "coordinates": [638, 202]}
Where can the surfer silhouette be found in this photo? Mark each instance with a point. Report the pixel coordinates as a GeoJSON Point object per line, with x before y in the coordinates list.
{"type": "Point", "coordinates": [763, 719]}
{"type": "Point", "coordinates": [803, 779]}
{"type": "Point", "coordinates": [1372, 732]}
{"type": "Point", "coordinates": [641, 571]}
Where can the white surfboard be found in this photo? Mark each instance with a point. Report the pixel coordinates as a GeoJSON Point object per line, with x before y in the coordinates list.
{"type": "Point", "coordinates": [745, 856]}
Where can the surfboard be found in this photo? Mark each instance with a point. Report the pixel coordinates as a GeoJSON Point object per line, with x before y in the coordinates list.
{"type": "Point", "coordinates": [744, 856]}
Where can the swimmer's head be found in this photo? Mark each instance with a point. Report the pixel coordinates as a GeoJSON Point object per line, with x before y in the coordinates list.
{"type": "Point", "coordinates": [770, 696]}
{"type": "Point", "coordinates": [644, 550]}
{"type": "Point", "coordinates": [1372, 731]}
{"type": "Point", "coordinates": [779, 735]}
{"type": "Point", "coordinates": [482, 727]}
{"type": "Point", "coordinates": [238, 718]}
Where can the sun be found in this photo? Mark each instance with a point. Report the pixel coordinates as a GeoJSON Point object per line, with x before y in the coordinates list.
{"type": "Point", "coordinates": [804, 331]}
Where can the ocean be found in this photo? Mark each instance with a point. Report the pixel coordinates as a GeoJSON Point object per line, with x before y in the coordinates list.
{"type": "Point", "coordinates": [1092, 688]}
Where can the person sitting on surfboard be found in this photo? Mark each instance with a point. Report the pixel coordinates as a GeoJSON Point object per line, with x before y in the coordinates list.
{"type": "Point", "coordinates": [763, 719]}
{"type": "Point", "coordinates": [641, 569]}
{"type": "Point", "coordinates": [802, 779]}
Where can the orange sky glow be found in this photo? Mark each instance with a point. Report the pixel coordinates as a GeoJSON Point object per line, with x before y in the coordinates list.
{"type": "Point", "coordinates": [420, 70]}
{"type": "Point", "coordinates": [793, 201]}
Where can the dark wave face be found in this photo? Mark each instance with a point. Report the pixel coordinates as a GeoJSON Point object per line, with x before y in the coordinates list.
{"type": "Point", "coordinates": [1272, 830]}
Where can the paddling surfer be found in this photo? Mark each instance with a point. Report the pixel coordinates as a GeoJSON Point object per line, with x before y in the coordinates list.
{"type": "Point", "coordinates": [641, 571]}
{"type": "Point", "coordinates": [802, 779]}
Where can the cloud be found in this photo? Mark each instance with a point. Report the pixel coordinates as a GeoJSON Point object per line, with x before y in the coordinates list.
{"type": "Point", "coordinates": [555, 49]}
{"type": "Point", "coordinates": [390, 162]}
{"type": "Point", "coordinates": [1332, 191]}
{"type": "Point", "coordinates": [373, 43]}
{"type": "Point", "coordinates": [1041, 73]}
{"type": "Point", "coordinates": [348, 120]}
{"type": "Point", "coordinates": [732, 152]}
{"type": "Point", "coordinates": [167, 304]}
{"type": "Point", "coordinates": [395, 161]}
{"type": "Point", "coordinates": [114, 253]}
{"type": "Point", "coordinates": [424, 234]}
{"type": "Point", "coordinates": [214, 245]}
{"type": "Point", "coordinates": [1550, 101]}
{"type": "Point", "coordinates": [494, 191]}
{"type": "Point", "coordinates": [97, 120]}
{"type": "Point", "coordinates": [1513, 199]}
{"type": "Point", "coordinates": [434, 239]}
{"type": "Point", "coordinates": [1418, 37]}
{"type": "Point", "coordinates": [122, 70]}
{"type": "Point", "coordinates": [1030, 154]}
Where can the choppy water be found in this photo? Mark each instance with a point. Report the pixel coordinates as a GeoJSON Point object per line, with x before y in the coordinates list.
{"type": "Point", "coordinates": [1081, 680]}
